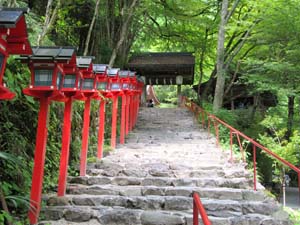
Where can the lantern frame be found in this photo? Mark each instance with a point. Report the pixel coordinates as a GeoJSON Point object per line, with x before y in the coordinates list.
{"type": "Point", "coordinates": [114, 83]}
{"type": "Point", "coordinates": [100, 71]}
{"type": "Point", "coordinates": [85, 67]}
{"type": "Point", "coordinates": [125, 80]}
{"type": "Point", "coordinates": [13, 40]}
{"type": "Point", "coordinates": [52, 59]}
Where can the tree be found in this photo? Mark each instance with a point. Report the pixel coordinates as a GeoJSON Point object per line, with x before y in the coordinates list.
{"type": "Point", "coordinates": [124, 30]}
{"type": "Point", "coordinates": [50, 18]}
{"type": "Point", "coordinates": [219, 90]}
{"type": "Point", "coordinates": [221, 70]}
{"type": "Point", "coordinates": [87, 41]}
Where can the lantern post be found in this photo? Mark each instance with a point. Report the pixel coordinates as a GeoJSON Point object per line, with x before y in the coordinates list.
{"type": "Point", "coordinates": [13, 41]}
{"type": "Point", "coordinates": [88, 89]}
{"type": "Point", "coordinates": [124, 77]}
{"type": "Point", "coordinates": [69, 86]}
{"type": "Point", "coordinates": [133, 99]}
{"type": "Point", "coordinates": [44, 65]}
{"type": "Point", "coordinates": [100, 71]}
{"type": "Point", "coordinates": [115, 88]}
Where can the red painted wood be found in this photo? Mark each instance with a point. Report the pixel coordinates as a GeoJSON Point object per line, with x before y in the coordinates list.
{"type": "Point", "coordinates": [127, 114]}
{"type": "Point", "coordinates": [195, 214]}
{"type": "Point", "coordinates": [3, 68]}
{"type": "Point", "coordinates": [39, 161]}
{"type": "Point", "coordinates": [65, 149]}
{"type": "Point", "coordinates": [238, 134]}
{"type": "Point", "coordinates": [123, 118]}
{"type": "Point", "coordinates": [85, 136]}
{"type": "Point", "coordinates": [200, 208]}
{"type": "Point", "coordinates": [254, 167]}
{"type": "Point", "coordinates": [101, 129]}
{"type": "Point", "coordinates": [114, 122]}
{"type": "Point", "coordinates": [130, 113]}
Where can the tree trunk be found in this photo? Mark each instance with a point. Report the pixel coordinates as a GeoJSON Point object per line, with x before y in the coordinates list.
{"type": "Point", "coordinates": [201, 63]}
{"type": "Point", "coordinates": [49, 20]}
{"type": "Point", "coordinates": [88, 38]}
{"type": "Point", "coordinates": [291, 105]}
{"type": "Point", "coordinates": [123, 33]}
{"type": "Point", "coordinates": [219, 91]}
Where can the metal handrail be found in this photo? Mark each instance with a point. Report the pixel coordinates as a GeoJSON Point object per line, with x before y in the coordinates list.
{"type": "Point", "coordinates": [216, 121]}
{"type": "Point", "coordinates": [198, 208]}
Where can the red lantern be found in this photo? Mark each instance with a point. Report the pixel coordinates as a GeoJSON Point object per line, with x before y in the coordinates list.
{"type": "Point", "coordinates": [13, 40]}
{"type": "Point", "coordinates": [100, 71]}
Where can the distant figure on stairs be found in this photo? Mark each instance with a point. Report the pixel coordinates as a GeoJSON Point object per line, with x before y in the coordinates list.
{"type": "Point", "coordinates": [150, 103]}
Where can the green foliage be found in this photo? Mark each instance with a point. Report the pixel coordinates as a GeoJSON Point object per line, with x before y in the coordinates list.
{"type": "Point", "coordinates": [294, 215]}
{"type": "Point", "coordinates": [168, 93]}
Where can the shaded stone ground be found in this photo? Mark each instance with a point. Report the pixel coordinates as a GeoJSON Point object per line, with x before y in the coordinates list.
{"type": "Point", "coordinates": [150, 180]}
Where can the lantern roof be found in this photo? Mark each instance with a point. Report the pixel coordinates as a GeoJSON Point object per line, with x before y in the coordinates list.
{"type": "Point", "coordinates": [84, 61]}
{"type": "Point", "coordinates": [100, 68]}
{"type": "Point", "coordinates": [13, 20]}
{"type": "Point", "coordinates": [124, 73]}
{"type": "Point", "coordinates": [51, 53]}
{"type": "Point", "coordinates": [9, 17]}
{"type": "Point", "coordinates": [113, 71]}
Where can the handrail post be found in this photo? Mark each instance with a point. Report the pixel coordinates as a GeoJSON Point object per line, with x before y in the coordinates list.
{"type": "Point", "coordinates": [299, 187]}
{"type": "Point", "coordinates": [216, 125]}
{"type": "Point", "coordinates": [254, 167]}
{"type": "Point", "coordinates": [195, 213]}
{"type": "Point", "coordinates": [231, 155]}
{"type": "Point", "coordinates": [241, 147]}
{"type": "Point", "coordinates": [203, 121]}
{"type": "Point", "coordinates": [208, 125]}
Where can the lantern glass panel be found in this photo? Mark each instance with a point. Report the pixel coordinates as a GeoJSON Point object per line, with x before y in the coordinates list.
{"type": "Point", "coordinates": [70, 81]}
{"type": "Point", "coordinates": [43, 77]}
{"type": "Point", "coordinates": [123, 73]}
{"type": "Point", "coordinates": [1, 61]}
{"type": "Point", "coordinates": [58, 80]}
{"type": "Point", "coordinates": [125, 86]}
{"type": "Point", "coordinates": [101, 86]}
{"type": "Point", "coordinates": [115, 86]}
{"type": "Point", "coordinates": [88, 84]}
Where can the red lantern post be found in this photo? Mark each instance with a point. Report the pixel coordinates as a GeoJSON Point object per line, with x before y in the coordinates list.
{"type": "Point", "coordinates": [132, 110]}
{"type": "Point", "coordinates": [45, 67]}
{"type": "Point", "coordinates": [13, 40]}
{"type": "Point", "coordinates": [124, 77]}
{"type": "Point", "coordinates": [88, 89]}
{"type": "Point", "coordinates": [100, 71]}
{"type": "Point", "coordinates": [115, 88]}
{"type": "Point", "coordinates": [70, 87]}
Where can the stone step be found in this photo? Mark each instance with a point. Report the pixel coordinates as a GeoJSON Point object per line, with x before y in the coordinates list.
{"type": "Point", "coordinates": [242, 182]}
{"type": "Point", "coordinates": [218, 208]}
{"type": "Point", "coordinates": [167, 164]}
{"type": "Point", "coordinates": [211, 193]}
{"type": "Point", "coordinates": [167, 171]}
{"type": "Point", "coordinates": [118, 216]}
{"type": "Point", "coordinates": [64, 215]}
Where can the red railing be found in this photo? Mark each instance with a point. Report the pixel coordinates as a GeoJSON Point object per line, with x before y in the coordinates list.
{"type": "Point", "coordinates": [198, 208]}
{"type": "Point", "coordinates": [210, 118]}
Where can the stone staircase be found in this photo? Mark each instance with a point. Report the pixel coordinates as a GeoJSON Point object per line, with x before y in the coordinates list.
{"type": "Point", "coordinates": [150, 180]}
